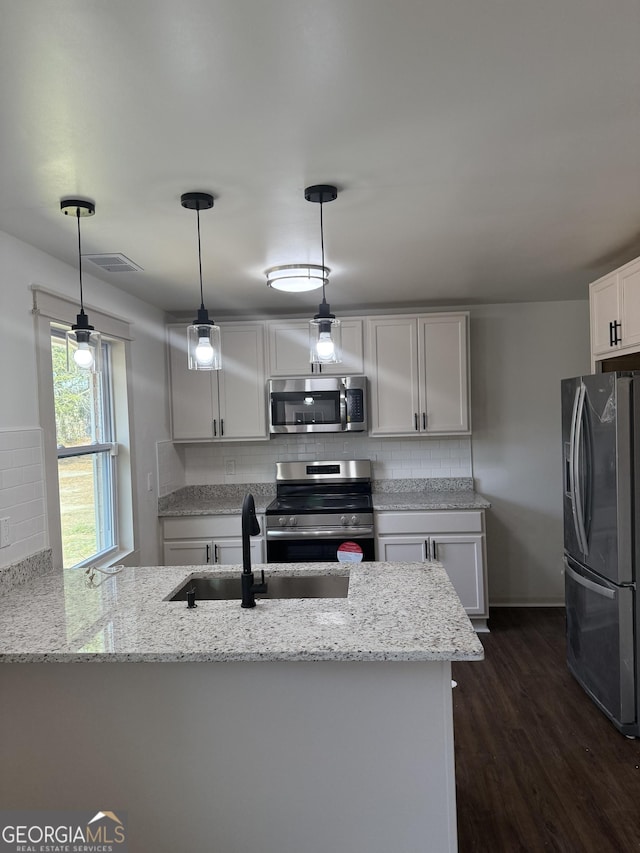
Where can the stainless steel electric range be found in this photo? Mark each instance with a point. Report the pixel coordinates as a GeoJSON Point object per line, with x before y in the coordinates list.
{"type": "Point", "coordinates": [322, 512]}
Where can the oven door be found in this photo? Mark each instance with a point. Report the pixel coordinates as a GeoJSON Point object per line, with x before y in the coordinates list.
{"type": "Point", "coordinates": [297, 548]}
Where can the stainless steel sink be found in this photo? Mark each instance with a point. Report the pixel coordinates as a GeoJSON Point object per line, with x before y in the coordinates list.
{"type": "Point", "coordinates": [278, 586]}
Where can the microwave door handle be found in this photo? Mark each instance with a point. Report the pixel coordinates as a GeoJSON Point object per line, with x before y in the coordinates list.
{"type": "Point", "coordinates": [343, 407]}
{"type": "Point", "coordinates": [577, 504]}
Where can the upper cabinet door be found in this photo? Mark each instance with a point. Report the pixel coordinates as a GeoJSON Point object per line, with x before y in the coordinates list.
{"type": "Point", "coordinates": [193, 394]}
{"type": "Point", "coordinates": [418, 369]}
{"type": "Point", "coordinates": [289, 349]}
{"type": "Point", "coordinates": [605, 309]}
{"type": "Point", "coordinates": [629, 279]}
{"type": "Point", "coordinates": [220, 404]}
{"type": "Point", "coordinates": [443, 362]}
{"type": "Point", "coordinates": [393, 374]}
{"type": "Point", "coordinates": [242, 382]}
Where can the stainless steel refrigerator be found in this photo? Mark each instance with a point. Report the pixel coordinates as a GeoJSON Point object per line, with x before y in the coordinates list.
{"type": "Point", "coordinates": [601, 464]}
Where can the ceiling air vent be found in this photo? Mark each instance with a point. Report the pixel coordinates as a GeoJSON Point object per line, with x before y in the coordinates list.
{"type": "Point", "coordinates": [113, 262]}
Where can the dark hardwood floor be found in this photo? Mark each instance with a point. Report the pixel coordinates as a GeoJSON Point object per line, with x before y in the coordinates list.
{"type": "Point", "coordinates": [538, 766]}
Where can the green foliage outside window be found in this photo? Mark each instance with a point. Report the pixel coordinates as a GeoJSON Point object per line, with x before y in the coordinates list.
{"type": "Point", "coordinates": [75, 399]}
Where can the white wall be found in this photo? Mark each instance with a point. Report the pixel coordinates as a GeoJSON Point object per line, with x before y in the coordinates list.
{"type": "Point", "coordinates": [519, 354]}
{"type": "Point", "coordinates": [21, 266]}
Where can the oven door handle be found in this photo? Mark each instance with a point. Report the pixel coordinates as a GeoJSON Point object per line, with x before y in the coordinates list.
{"type": "Point", "coordinates": [324, 533]}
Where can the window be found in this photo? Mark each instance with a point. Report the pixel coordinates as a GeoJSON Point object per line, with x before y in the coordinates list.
{"type": "Point", "coordinates": [87, 452]}
{"type": "Point", "coordinates": [86, 437]}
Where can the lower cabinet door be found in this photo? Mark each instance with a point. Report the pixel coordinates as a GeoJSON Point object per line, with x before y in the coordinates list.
{"type": "Point", "coordinates": [229, 551]}
{"type": "Point", "coordinates": [202, 552]}
{"type": "Point", "coordinates": [405, 549]}
{"type": "Point", "coordinates": [462, 556]}
{"type": "Point", "coordinates": [463, 560]}
{"type": "Point", "coordinates": [188, 552]}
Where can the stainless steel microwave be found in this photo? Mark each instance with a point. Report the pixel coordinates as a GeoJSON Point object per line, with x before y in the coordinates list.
{"type": "Point", "coordinates": [318, 404]}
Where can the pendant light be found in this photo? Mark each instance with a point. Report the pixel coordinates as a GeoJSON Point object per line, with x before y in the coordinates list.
{"type": "Point", "coordinates": [82, 340]}
{"type": "Point", "coordinates": [204, 348]}
{"type": "Point", "coordinates": [325, 334]}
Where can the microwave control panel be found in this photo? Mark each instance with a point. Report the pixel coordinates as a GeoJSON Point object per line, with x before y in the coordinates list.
{"type": "Point", "coordinates": [355, 406]}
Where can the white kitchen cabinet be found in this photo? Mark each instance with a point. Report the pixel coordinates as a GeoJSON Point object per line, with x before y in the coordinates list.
{"type": "Point", "coordinates": [418, 371]}
{"type": "Point", "coordinates": [208, 540]}
{"type": "Point", "coordinates": [454, 538]}
{"type": "Point", "coordinates": [202, 552]}
{"type": "Point", "coordinates": [227, 404]}
{"type": "Point", "coordinates": [614, 307]}
{"type": "Point", "coordinates": [289, 349]}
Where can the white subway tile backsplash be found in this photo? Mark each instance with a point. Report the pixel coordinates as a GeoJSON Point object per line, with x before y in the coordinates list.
{"type": "Point", "coordinates": [22, 494]}
{"type": "Point", "coordinates": [255, 461]}
{"type": "Point", "coordinates": [170, 465]}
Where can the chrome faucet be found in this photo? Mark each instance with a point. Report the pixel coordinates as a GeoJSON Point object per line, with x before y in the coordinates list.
{"type": "Point", "coordinates": [250, 527]}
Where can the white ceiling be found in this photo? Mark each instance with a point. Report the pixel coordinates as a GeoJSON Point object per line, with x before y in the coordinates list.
{"type": "Point", "coordinates": [485, 150]}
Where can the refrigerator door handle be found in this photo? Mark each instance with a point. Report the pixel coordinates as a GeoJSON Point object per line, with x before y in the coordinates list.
{"type": "Point", "coordinates": [604, 591]}
{"type": "Point", "coordinates": [574, 469]}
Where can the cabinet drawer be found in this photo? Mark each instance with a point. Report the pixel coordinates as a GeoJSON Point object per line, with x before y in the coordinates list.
{"type": "Point", "coordinates": [204, 525]}
{"type": "Point", "coordinates": [460, 521]}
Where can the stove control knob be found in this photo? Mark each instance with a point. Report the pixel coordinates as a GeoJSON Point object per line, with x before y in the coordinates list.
{"type": "Point", "coordinates": [344, 520]}
{"type": "Point", "coordinates": [293, 521]}
{"type": "Point", "coordinates": [282, 521]}
{"type": "Point", "coordinates": [354, 519]}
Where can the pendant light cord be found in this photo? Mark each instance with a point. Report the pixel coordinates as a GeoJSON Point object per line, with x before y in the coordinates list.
{"type": "Point", "coordinates": [324, 277]}
{"type": "Point", "coordinates": [200, 258]}
{"type": "Point", "coordinates": [80, 260]}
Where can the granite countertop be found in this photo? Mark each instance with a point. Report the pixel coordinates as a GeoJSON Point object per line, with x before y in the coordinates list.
{"type": "Point", "coordinates": [454, 499]}
{"type": "Point", "coordinates": [215, 499]}
{"type": "Point", "coordinates": [394, 612]}
{"type": "Point", "coordinates": [401, 495]}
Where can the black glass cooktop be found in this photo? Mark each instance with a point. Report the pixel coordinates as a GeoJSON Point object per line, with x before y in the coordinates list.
{"type": "Point", "coordinates": [315, 503]}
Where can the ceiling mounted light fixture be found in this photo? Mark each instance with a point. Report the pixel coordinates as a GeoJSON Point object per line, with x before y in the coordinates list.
{"type": "Point", "coordinates": [297, 278]}
{"type": "Point", "coordinates": [325, 334]}
{"type": "Point", "coordinates": [82, 340]}
{"type": "Point", "coordinates": [204, 349]}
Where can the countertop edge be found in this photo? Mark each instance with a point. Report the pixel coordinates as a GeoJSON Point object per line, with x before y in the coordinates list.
{"type": "Point", "coordinates": [274, 657]}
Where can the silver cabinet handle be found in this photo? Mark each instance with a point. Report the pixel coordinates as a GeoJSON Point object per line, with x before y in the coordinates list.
{"type": "Point", "coordinates": [323, 533]}
{"type": "Point", "coordinates": [588, 584]}
{"type": "Point", "coordinates": [577, 505]}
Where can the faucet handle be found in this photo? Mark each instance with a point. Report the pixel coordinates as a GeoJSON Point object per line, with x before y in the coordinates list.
{"type": "Point", "coordinates": [260, 587]}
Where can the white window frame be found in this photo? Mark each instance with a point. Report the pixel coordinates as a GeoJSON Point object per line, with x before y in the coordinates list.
{"type": "Point", "coordinates": [109, 534]}
{"type": "Point", "coordinates": [52, 308]}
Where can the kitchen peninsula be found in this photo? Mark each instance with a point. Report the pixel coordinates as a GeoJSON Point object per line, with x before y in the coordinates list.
{"type": "Point", "coordinates": [300, 725]}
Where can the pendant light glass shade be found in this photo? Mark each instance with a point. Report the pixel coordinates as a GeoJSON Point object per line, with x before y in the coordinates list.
{"type": "Point", "coordinates": [325, 337]}
{"type": "Point", "coordinates": [325, 331]}
{"type": "Point", "coordinates": [204, 345]}
{"type": "Point", "coordinates": [84, 344]}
